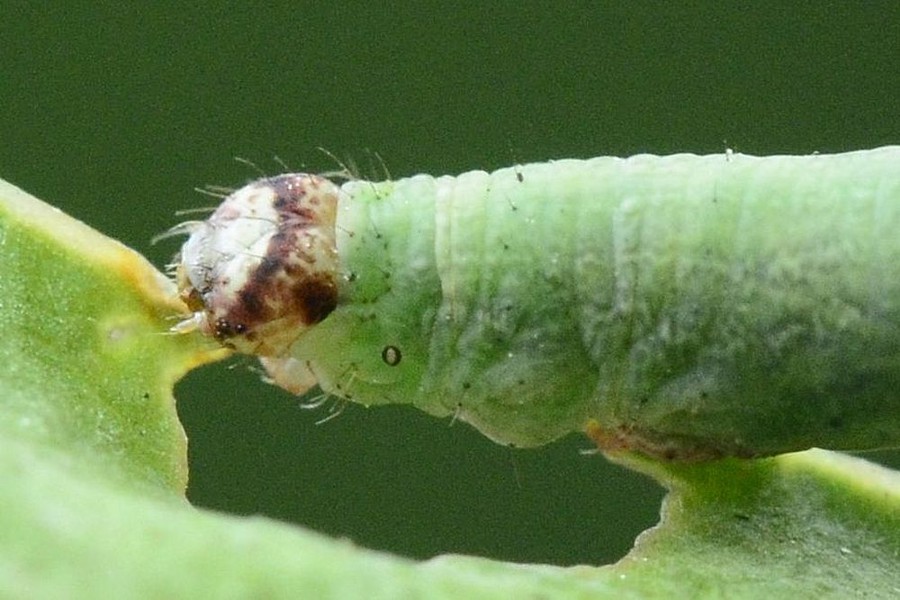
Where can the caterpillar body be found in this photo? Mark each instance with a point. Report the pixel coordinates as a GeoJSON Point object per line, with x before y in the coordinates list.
{"type": "Point", "coordinates": [683, 306]}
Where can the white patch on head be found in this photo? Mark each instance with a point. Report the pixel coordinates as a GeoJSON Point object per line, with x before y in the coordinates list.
{"type": "Point", "coordinates": [224, 249]}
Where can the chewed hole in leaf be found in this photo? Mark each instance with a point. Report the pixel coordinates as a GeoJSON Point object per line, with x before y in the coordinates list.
{"type": "Point", "coordinates": [378, 476]}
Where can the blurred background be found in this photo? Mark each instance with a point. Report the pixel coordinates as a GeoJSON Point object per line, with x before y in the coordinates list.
{"type": "Point", "coordinates": [116, 113]}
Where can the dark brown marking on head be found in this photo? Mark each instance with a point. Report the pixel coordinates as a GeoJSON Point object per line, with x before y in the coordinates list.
{"type": "Point", "coordinates": [286, 289]}
{"type": "Point", "coordinates": [268, 266]}
{"type": "Point", "coordinates": [293, 204]}
{"type": "Point", "coordinates": [251, 300]}
{"type": "Point", "coordinates": [263, 307]}
{"type": "Point", "coordinates": [317, 297]}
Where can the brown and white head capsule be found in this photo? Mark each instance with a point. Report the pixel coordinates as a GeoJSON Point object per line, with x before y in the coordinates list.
{"type": "Point", "coordinates": [263, 267]}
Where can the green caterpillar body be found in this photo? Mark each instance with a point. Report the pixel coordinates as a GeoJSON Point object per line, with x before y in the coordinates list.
{"type": "Point", "coordinates": [684, 306]}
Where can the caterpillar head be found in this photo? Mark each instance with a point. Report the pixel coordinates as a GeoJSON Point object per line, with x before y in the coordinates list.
{"type": "Point", "coordinates": [263, 267]}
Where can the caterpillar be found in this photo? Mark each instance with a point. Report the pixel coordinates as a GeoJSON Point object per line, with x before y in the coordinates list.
{"type": "Point", "coordinates": [686, 307]}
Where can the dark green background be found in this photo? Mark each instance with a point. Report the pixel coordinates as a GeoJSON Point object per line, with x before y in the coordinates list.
{"type": "Point", "coordinates": [116, 113]}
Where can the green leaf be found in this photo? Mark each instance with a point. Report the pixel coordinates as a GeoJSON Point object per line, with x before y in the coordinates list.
{"type": "Point", "coordinates": [92, 472]}
{"type": "Point", "coordinates": [88, 365]}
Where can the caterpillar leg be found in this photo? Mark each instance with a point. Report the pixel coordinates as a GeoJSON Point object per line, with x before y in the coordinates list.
{"type": "Point", "coordinates": [289, 373]}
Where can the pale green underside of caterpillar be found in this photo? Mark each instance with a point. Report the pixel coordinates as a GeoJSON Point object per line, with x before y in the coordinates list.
{"type": "Point", "coordinates": [683, 306]}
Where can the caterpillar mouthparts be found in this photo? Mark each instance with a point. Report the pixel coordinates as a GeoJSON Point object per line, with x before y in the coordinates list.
{"type": "Point", "coordinates": [263, 267]}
